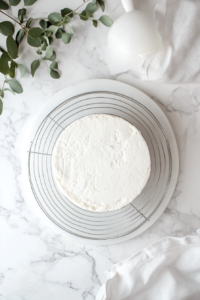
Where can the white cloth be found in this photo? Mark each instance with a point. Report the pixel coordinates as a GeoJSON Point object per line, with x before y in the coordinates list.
{"type": "Point", "coordinates": [178, 61]}
{"type": "Point", "coordinates": [167, 270]}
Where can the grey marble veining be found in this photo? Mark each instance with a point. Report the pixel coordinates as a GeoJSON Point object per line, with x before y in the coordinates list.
{"type": "Point", "coordinates": [37, 263]}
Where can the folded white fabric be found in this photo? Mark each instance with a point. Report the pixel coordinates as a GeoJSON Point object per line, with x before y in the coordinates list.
{"type": "Point", "coordinates": [167, 270]}
{"type": "Point", "coordinates": [179, 58]}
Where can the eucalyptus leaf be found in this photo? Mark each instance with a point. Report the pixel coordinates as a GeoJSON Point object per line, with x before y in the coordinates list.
{"type": "Point", "coordinates": [89, 14]}
{"type": "Point", "coordinates": [1, 106]}
{"type": "Point", "coordinates": [15, 86]}
{"type": "Point", "coordinates": [67, 20]}
{"type": "Point", "coordinates": [11, 71]}
{"type": "Point", "coordinates": [94, 1]}
{"type": "Point", "coordinates": [71, 30]}
{"type": "Point", "coordinates": [53, 57]}
{"type": "Point", "coordinates": [9, 91]}
{"type": "Point", "coordinates": [54, 74]}
{"type": "Point", "coordinates": [4, 67]}
{"type": "Point", "coordinates": [7, 28]}
{"type": "Point", "coordinates": [2, 50]}
{"type": "Point", "coordinates": [21, 14]}
{"type": "Point", "coordinates": [39, 52]}
{"type": "Point", "coordinates": [54, 65]}
{"type": "Point", "coordinates": [55, 18]}
{"type": "Point", "coordinates": [52, 28]}
{"type": "Point", "coordinates": [105, 20]}
{"type": "Point", "coordinates": [11, 47]}
{"type": "Point", "coordinates": [22, 69]}
{"type": "Point", "coordinates": [34, 42]}
{"type": "Point", "coordinates": [34, 66]}
{"type": "Point", "coordinates": [44, 46]}
{"type": "Point", "coordinates": [43, 24]}
{"type": "Point", "coordinates": [95, 23]}
{"type": "Point", "coordinates": [3, 5]}
{"type": "Point", "coordinates": [67, 11]}
{"type": "Point", "coordinates": [91, 7]}
{"type": "Point", "coordinates": [58, 34]}
{"type": "Point", "coordinates": [66, 37]}
{"type": "Point", "coordinates": [19, 36]}
{"type": "Point", "coordinates": [102, 4]}
{"type": "Point", "coordinates": [14, 2]}
{"type": "Point", "coordinates": [50, 39]}
{"type": "Point", "coordinates": [83, 15]}
{"type": "Point", "coordinates": [1, 94]}
{"type": "Point", "coordinates": [49, 52]}
{"type": "Point", "coordinates": [46, 39]}
{"type": "Point", "coordinates": [35, 32]}
{"type": "Point", "coordinates": [28, 23]}
{"type": "Point", "coordinates": [29, 2]}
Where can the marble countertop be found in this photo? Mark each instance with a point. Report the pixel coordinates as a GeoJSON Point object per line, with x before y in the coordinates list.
{"type": "Point", "coordinates": [37, 263]}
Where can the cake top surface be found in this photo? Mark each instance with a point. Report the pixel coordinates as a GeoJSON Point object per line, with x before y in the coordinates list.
{"type": "Point", "coordinates": [101, 162]}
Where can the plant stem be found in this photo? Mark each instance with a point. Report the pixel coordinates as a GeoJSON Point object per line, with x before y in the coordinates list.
{"type": "Point", "coordinates": [83, 16]}
{"type": "Point", "coordinates": [12, 19]}
{"type": "Point", "coordinates": [35, 19]}
{"type": "Point", "coordinates": [3, 85]}
{"type": "Point", "coordinates": [81, 5]}
{"type": "Point", "coordinates": [42, 58]}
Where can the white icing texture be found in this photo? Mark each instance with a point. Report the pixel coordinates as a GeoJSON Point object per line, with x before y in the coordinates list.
{"type": "Point", "coordinates": [101, 162]}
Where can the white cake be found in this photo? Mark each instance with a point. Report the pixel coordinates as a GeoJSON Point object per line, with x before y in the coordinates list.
{"type": "Point", "coordinates": [101, 162]}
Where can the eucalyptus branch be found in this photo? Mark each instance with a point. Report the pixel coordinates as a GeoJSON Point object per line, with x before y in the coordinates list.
{"type": "Point", "coordinates": [40, 37]}
{"type": "Point", "coordinates": [12, 18]}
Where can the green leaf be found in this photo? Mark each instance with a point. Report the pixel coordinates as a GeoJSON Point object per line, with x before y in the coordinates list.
{"type": "Point", "coordinates": [15, 86]}
{"type": "Point", "coordinates": [39, 52]}
{"type": "Point", "coordinates": [7, 28]}
{"type": "Point", "coordinates": [94, 1]}
{"type": "Point", "coordinates": [71, 30]}
{"type": "Point", "coordinates": [89, 14]}
{"type": "Point", "coordinates": [55, 18]}
{"type": "Point", "coordinates": [21, 14]}
{"type": "Point", "coordinates": [1, 106]}
{"type": "Point", "coordinates": [1, 94]}
{"type": "Point", "coordinates": [34, 66]}
{"type": "Point", "coordinates": [66, 38]}
{"type": "Point", "coordinates": [46, 39]}
{"type": "Point", "coordinates": [22, 69]}
{"type": "Point", "coordinates": [54, 65]}
{"type": "Point", "coordinates": [91, 7]}
{"type": "Point", "coordinates": [43, 24]}
{"type": "Point", "coordinates": [11, 71]}
{"type": "Point", "coordinates": [11, 47]}
{"type": "Point", "coordinates": [67, 20]}
{"type": "Point", "coordinates": [4, 67]}
{"type": "Point", "coordinates": [35, 32]}
{"type": "Point", "coordinates": [19, 36]}
{"type": "Point", "coordinates": [44, 46]}
{"type": "Point", "coordinates": [83, 15]}
{"type": "Point", "coordinates": [9, 91]}
{"type": "Point", "coordinates": [95, 23]}
{"type": "Point", "coordinates": [50, 40]}
{"type": "Point", "coordinates": [54, 74]}
{"type": "Point", "coordinates": [2, 50]}
{"type": "Point", "coordinates": [14, 2]}
{"type": "Point", "coordinates": [58, 34]}
{"type": "Point", "coordinates": [66, 11]}
{"type": "Point", "coordinates": [52, 28]}
{"type": "Point", "coordinates": [49, 52]}
{"type": "Point", "coordinates": [29, 2]}
{"type": "Point", "coordinates": [3, 5]}
{"type": "Point", "coordinates": [28, 23]}
{"type": "Point", "coordinates": [53, 57]}
{"type": "Point", "coordinates": [105, 20]}
{"type": "Point", "coordinates": [34, 42]}
{"type": "Point", "coordinates": [102, 4]}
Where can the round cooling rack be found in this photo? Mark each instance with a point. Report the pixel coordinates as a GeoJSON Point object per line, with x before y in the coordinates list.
{"type": "Point", "coordinates": [100, 97]}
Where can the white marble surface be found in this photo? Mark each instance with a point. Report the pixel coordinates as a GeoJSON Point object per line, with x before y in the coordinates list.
{"type": "Point", "coordinates": [36, 263]}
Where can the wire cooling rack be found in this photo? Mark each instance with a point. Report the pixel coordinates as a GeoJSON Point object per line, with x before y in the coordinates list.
{"type": "Point", "coordinates": [100, 226]}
